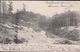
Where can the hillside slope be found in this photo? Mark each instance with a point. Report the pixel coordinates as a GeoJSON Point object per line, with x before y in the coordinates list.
{"type": "Point", "coordinates": [28, 35]}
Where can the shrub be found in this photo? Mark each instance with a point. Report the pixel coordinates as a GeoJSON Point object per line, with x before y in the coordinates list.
{"type": "Point", "coordinates": [73, 35]}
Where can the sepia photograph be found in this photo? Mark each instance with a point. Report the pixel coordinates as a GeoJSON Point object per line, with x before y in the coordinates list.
{"type": "Point", "coordinates": [39, 23]}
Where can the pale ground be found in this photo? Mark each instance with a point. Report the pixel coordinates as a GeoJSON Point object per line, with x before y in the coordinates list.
{"type": "Point", "coordinates": [35, 38]}
{"type": "Point", "coordinates": [32, 36]}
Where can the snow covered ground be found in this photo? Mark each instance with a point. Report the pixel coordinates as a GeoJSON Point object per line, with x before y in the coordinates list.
{"type": "Point", "coordinates": [33, 37]}
{"type": "Point", "coordinates": [28, 34]}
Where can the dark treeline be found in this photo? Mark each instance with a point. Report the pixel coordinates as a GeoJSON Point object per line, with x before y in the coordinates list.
{"type": "Point", "coordinates": [69, 18]}
{"type": "Point", "coordinates": [23, 17]}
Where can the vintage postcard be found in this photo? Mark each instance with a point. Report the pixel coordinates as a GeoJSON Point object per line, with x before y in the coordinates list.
{"type": "Point", "coordinates": [44, 26]}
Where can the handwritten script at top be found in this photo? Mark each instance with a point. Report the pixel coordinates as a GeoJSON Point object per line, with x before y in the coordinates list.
{"type": "Point", "coordinates": [61, 4]}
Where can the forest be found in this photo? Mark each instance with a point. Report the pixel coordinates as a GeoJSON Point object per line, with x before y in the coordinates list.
{"type": "Point", "coordinates": [40, 22]}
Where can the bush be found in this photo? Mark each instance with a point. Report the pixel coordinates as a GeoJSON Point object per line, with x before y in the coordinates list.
{"type": "Point", "coordinates": [65, 33]}
{"type": "Point", "coordinates": [65, 42]}
{"type": "Point", "coordinates": [60, 32]}
{"type": "Point", "coordinates": [73, 35]}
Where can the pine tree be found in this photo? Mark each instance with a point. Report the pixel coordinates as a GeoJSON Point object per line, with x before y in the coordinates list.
{"type": "Point", "coordinates": [4, 7]}
{"type": "Point", "coordinates": [10, 7]}
{"type": "Point", "coordinates": [24, 8]}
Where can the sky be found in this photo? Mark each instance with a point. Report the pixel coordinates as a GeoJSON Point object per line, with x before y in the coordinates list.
{"type": "Point", "coordinates": [42, 7]}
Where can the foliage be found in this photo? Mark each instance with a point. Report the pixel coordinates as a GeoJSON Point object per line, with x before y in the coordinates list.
{"type": "Point", "coordinates": [10, 7]}
{"type": "Point", "coordinates": [4, 8]}
{"type": "Point", "coordinates": [68, 18]}
{"type": "Point", "coordinates": [40, 22]}
{"type": "Point", "coordinates": [73, 35]}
